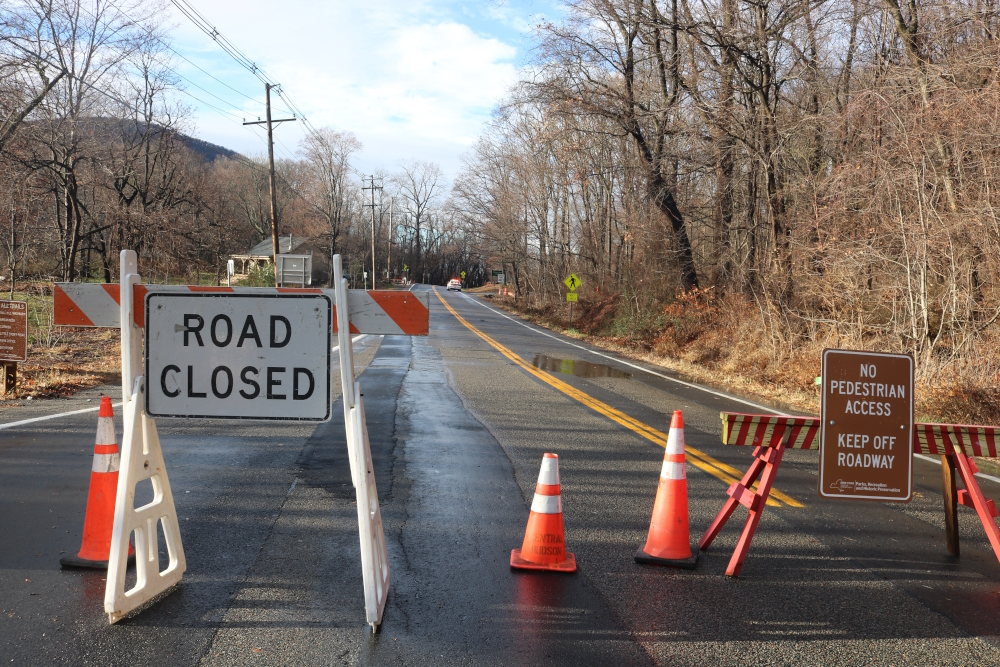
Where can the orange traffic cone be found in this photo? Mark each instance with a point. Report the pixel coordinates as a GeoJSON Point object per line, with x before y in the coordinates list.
{"type": "Point", "coordinates": [544, 546]}
{"type": "Point", "coordinates": [100, 517]}
{"type": "Point", "coordinates": [669, 541]}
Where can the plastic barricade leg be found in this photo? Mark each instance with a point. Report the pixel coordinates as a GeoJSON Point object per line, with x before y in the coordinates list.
{"type": "Point", "coordinates": [374, 559]}
{"type": "Point", "coordinates": [346, 359]}
{"type": "Point", "coordinates": [142, 459]}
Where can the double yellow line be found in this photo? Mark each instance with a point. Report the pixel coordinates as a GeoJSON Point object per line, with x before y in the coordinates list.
{"type": "Point", "coordinates": [697, 458]}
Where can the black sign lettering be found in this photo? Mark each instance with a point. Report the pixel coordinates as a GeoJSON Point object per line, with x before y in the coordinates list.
{"type": "Point", "coordinates": [229, 330]}
{"type": "Point", "coordinates": [191, 392]}
{"type": "Point", "coordinates": [288, 331]}
{"type": "Point", "coordinates": [249, 331]}
{"type": "Point", "coordinates": [271, 382]}
{"type": "Point", "coordinates": [163, 381]}
{"type": "Point", "coordinates": [296, 396]}
{"type": "Point", "coordinates": [250, 383]}
{"type": "Point", "coordinates": [215, 380]}
{"type": "Point", "coordinates": [188, 329]}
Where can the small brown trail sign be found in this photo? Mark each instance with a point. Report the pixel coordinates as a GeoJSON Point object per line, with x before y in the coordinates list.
{"type": "Point", "coordinates": [866, 441]}
{"type": "Point", "coordinates": [13, 331]}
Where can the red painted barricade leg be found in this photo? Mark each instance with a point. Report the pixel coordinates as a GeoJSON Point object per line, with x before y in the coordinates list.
{"type": "Point", "coordinates": [983, 507]}
{"type": "Point", "coordinates": [765, 466]}
{"type": "Point", "coordinates": [730, 505]}
{"type": "Point", "coordinates": [755, 503]}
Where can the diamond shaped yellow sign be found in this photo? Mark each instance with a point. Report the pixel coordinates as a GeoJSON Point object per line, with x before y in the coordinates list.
{"type": "Point", "coordinates": [572, 282]}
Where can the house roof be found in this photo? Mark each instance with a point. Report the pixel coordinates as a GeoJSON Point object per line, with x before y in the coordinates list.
{"type": "Point", "coordinates": [286, 244]}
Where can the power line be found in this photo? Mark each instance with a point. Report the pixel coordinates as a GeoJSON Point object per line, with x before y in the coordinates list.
{"type": "Point", "coordinates": [236, 54]}
{"type": "Point", "coordinates": [164, 44]}
{"type": "Point", "coordinates": [254, 100]}
{"type": "Point", "coordinates": [242, 59]}
{"type": "Point", "coordinates": [203, 24]}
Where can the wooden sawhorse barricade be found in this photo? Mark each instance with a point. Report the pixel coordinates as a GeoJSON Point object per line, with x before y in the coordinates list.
{"type": "Point", "coordinates": [771, 436]}
{"type": "Point", "coordinates": [123, 306]}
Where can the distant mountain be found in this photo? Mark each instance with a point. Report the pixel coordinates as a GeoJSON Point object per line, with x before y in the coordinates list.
{"type": "Point", "coordinates": [207, 151]}
{"type": "Point", "coordinates": [113, 128]}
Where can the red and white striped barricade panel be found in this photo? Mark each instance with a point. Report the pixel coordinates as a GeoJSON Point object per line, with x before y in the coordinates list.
{"type": "Point", "coordinates": [385, 312]}
{"type": "Point", "coordinates": [771, 435]}
{"type": "Point", "coordinates": [958, 444]}
{"type": "Point", "coordinates": [759, 431]}
{"type": "Point", "coordinates": [769, 430]}
{"type": "Point", "coordinates": [978, 441]}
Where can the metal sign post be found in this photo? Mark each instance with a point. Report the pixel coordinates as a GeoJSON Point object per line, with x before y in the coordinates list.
{"type": "Point", "coordinates": [866, 434]}
{"type": "Point", "coordinates": [572, 283]}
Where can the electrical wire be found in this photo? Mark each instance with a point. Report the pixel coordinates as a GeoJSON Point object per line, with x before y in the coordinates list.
{"type": "Point", "coordinates": [189, 11]}
{"type": "Point", "coordinates": [167, 66]}
{"type": "Point", "coordinates": [205, 26]}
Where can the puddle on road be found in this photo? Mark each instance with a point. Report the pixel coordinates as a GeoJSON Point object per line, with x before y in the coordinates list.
{"type": "Point", "coordinates": [583, 369]}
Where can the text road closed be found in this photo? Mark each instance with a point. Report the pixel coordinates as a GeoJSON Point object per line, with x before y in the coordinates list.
{"type": "Point", "coordinates": [238, 356]}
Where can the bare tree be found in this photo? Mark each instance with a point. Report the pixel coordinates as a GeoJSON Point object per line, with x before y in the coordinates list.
{"type": "Point", "coordinates": [610, 59]}
{"type": "Point", "coordinates": [328, 154]}
{"type": "Point", "coordinates": [419, 185]}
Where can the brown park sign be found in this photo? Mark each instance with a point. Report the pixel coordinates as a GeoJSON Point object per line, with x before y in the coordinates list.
{"type": "Point", "coordinates": [866, 439]}
{"type": "Point", "coordinates": [13, 331]}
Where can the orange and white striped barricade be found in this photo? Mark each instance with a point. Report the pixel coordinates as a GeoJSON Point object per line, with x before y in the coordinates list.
{"type": "Point", "coordinates": [770, 435]}
{"type": "Point", "coordinates": [123, 306]}
{"type": "Point", "coordinates": [957, 445]}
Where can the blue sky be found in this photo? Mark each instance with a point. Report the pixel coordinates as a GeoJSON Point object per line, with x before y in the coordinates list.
{"type": "Point", "coordinates": [412, 79]}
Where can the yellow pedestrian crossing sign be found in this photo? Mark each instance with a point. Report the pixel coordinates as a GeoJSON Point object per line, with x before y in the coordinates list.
{"type": "Point", "coordinates": [572, 282]}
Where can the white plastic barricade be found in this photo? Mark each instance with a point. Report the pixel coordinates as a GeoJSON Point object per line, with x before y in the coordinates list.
{"type": "Point", "coordinates": [142, 459]}
{"type": "Point", "coordinates": [124, 305]}
{"type": "Point", "coordinates": [374, 559]}
{"type": "Point", "coordinates": [346, 359]}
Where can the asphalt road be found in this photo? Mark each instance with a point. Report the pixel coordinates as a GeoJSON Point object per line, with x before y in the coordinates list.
{"type": "Point", "coordinates": [457, 434]}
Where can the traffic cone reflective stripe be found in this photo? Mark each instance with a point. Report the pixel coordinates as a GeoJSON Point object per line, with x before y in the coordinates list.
{"type": "Point", "coordinates": [669, 540]}
{"type": "Point", "coordinates": [99, 520]}
{"type": "Point", "coordinates": [544, 546]}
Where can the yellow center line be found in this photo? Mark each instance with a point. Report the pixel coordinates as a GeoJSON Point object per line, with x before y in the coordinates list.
{"type": "Point", "coordinates": [699, 459]}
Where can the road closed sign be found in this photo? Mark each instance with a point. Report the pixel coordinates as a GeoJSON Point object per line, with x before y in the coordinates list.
{"type": "Point", "coordinates": [238, 356]}
{"type": "Point", "coordinates": [866, 438]}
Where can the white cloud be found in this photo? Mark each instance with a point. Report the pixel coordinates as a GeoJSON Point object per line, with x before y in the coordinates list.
{"type": "Point", "coordinates": [411, 79]}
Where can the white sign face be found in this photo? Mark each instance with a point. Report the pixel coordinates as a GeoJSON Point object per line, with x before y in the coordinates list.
{"type": "Point", "coordinates": [238, 356]}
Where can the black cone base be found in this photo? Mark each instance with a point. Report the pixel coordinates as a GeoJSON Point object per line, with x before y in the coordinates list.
{"type": "Point", "coordinates": [643, 558]}
{"type": "Point", "coordinates": [75, 561]}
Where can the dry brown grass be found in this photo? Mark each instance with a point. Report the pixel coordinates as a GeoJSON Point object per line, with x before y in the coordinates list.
{"type": "Point", "coordinates": [84, 358]}
{"type": "Point", "coordinates": [62, 360]}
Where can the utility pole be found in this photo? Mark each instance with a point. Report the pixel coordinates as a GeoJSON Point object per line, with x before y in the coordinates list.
{"type": "Point", "coordinates": [388, 261]}
{"type": "Point", "coordinates": [270, 165]}
{"type": "Point", "coordinates": [373, 188]}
